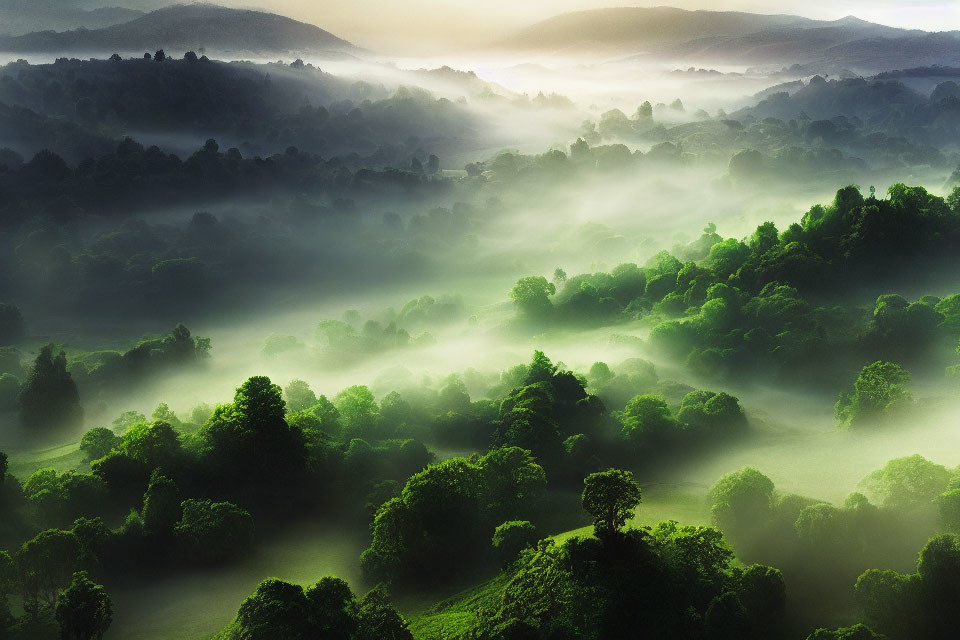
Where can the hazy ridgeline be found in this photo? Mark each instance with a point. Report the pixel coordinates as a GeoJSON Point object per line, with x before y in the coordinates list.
{"type": "Point", "coordinates": [560, 341]}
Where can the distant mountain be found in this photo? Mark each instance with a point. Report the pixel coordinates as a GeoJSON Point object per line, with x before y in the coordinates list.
{"type": "Point", "coordinates": [18, 19]}
{"type": "Point", "coordinates": [189, 27]}
{"type": "Point", "coordinates": [727, 37]}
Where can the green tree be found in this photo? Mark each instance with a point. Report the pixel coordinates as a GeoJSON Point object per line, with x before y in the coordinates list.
{"type": "Point", "coordinates": [610, 497]}
{"type": "Point", "coordinates": [154, 444]}
{"type": "Point", "coordinates": [277, 609]}
{"type": "Point", "coordinates": [378, 620]}
{"type": "Point", "coordinates": [856, 632]}
{"type": "Point", "coordinates": [84, 611]}
{"type": "Point", "coordinates": [907, 483]}
{"type": "Point", "coordinates": [647, 420]}
{"type": "Point", "coordinates": [532, 296]}
{"type": "Point", "coordinates": [358, 410]}
{"type": "Point", "coordinates": [45, 565]}
{"type": "Point", "coordinates": [299, 396]}
{"type": "Point", "coordinates": [512, 537]}
{"type": "Point", "coordinates": [212, 532]}
{"type": "Point", "coordinates": [948, 503]}
{"type": "Point", "coordinates": [98, 442]}
{"type": "Point", "coordinates": [161, 506]}
{"type": "Point", "coordinates": [881, 388]}
{"type": "Point", "coordinates": [742, 505]}
{"type": "Point", "coordinates": [249, 447]}
{"type": "Point", "coordinates": [332, 609]}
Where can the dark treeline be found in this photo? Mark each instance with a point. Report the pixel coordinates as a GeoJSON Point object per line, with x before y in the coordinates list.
{"type": "Point", "coordinates": [260, 109]}
{"type": "Point", "coordinates": [856, 111]}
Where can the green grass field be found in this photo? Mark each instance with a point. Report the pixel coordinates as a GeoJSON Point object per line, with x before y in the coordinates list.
{"type": "Point", "coordinates": [63, 457]}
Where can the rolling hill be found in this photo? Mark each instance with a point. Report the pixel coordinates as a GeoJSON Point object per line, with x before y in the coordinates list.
{"type": "Point", "coordinates": [726, 37]}
{"type": "Point", "coordinates": [189, 27]}
{"type": "Point", "coordinates": [18, 17]}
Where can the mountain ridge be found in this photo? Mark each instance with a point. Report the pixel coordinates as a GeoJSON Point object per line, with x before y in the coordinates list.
{"type": "Point", "coordinates": [734, 37]}
{"type": "Point", "coordinates": [185, 27]}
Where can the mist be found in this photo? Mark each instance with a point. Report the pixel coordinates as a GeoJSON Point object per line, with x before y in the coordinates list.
{"type": "Point", "coordinates": [416, 331]}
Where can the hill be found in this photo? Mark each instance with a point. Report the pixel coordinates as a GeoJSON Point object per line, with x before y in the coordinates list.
{"type": "Point", "coordinates": [727, 37]}
{"type": "Point", "coordinates": [189, 27]}
{"type": "Point", "coordinates": [18, 18]}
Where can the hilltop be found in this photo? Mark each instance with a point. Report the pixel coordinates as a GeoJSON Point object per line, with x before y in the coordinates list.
{"type": "Point", "coordinates": [729, 37]}
{"type": "Point", "coordinates": [189, 27]}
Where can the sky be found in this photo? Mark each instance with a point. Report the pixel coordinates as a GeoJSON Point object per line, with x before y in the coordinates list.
{"type": "Point", "coordinates": [427, 25]}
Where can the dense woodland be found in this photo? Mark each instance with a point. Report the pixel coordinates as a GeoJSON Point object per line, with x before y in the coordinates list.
{"type": "Point", "coordinates": [142, 196]}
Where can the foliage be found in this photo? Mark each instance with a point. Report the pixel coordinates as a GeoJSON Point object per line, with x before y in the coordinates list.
{"type": "Point", "coordinates": [48, 397]}
{"type": "Point", "coordinates": [610, 497]}
{"type": "Point", "coordinates": [84, 610]}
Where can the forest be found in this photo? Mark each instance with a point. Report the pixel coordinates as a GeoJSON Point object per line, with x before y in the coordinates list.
{"type": "Point", "coordinates": [307, 335]}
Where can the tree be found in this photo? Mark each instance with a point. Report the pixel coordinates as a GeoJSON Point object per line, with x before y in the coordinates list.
{"type": "Point", "coordinates": [532, 296]}
{"type": "Point", "coordinates": [856, 632]}
{"type": "Point", "coordinates": [161, 506]}
{"type": "Point", "coordinates": [647, 420]}
{"type": "Point", "coordinates": [379, 620]}
{"type": "Point", "coordinates": [98, 442]}
{"type": "Point", "coordinates": [610, 497]}
{"type": "Point", "coordinates": [45, 565]}
{"type": "Point", "coordinates": [84, 611]}
{"type": "Point", "coordinates": [299, 396]}
{"type": "Point", "coordinates": [49, 397]}
{"type": "Point", "coordinates": [159, 56]}
{"type": "Point", "coordinates": [332, 609]}
{"type": "Point", "coordinates": [249, 446]}
{"type": "Point", "coordinates": [212, 532]}
{"type": "Point", "coordinates": [511, 537]}
{"type": "Point", "coordinates": [8, 576]}
{"type": "Point", "coordinates": [277, 609]}
{"type": "Point", "coordinates": [358, 409]}
{"type": "Point", "coordinates": [907, 483]}
{"type": "Point", "coordinates": [260, 403]}
{"type": "Point", "coordinates": [742, 504]}
{"type": "Point", "coordinates": [154, 444]}
{"type": "Point", "coordinates": [948, 504]}
{"type": "Point", "coordinates": [881, 388]}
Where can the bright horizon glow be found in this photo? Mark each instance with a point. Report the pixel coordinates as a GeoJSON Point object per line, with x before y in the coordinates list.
{"type": "Point", "coordinates": [439, 26]}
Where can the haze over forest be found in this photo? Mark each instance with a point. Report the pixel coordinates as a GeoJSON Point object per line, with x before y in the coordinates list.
{"type": "Point", "coordinates": [449, 321]}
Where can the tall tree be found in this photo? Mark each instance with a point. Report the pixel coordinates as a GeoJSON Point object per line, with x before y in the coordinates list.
{"type": "Point", "coordinates": [84, 611]}
{"type": "Point", "coordinates": [49, 397]}
{"type": "Point", "coordinates": [610, 497]}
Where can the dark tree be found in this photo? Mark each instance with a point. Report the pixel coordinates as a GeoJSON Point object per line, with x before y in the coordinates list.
{"type": "Point", "coordinates": [49, 398]}
{"type": "Point", "coordinates": [161, 506]}
{"type": "Point", "coordinates": [44, 566]}
{"type": "Point", "coordinates": [332, 609]}
{"type": "Point", "coordinates": [277, 609]}
{"type": "Point", "coordinates": [84, 611]}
